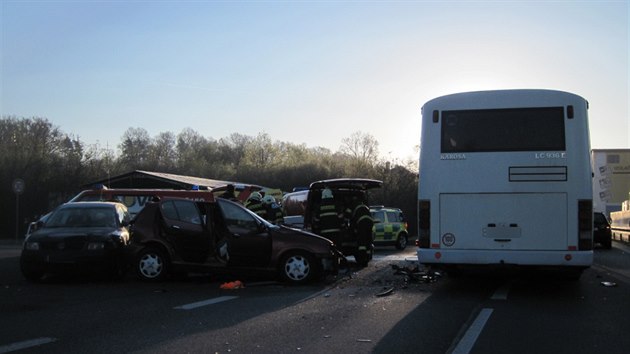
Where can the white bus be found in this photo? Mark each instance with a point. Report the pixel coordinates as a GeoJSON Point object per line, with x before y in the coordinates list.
{"type": "Point", "coordinates": [506, 179]}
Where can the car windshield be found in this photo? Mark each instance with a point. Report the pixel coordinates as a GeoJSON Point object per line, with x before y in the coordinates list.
{"type": "Point", "coordinates": [378, 216]}
{"type": "Point", "coordinates": [239, 217]}
{"type": "Point", "coordinates": [82, 217]}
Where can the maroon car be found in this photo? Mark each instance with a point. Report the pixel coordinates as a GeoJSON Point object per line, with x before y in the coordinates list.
{"type": "Point", "coordinates": [181, 235]}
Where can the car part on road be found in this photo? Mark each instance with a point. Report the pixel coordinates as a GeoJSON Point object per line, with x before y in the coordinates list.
{"type": "Point", "coordinates": [237, 284]}
{"type": "Point", "coordinates": [386, 292]}
{"type": "Point", "coordinates": [608, 284]}
{"type": "Point", "coordinates": [415, 275]}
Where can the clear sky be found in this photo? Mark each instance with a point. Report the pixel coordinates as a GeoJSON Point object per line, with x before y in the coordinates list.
{"type": "Point", "coordinates": [311, 72]}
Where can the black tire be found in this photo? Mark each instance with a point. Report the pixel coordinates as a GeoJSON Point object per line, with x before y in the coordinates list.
{"type": "Point", "coordinates": [607, 244]}
{"type": "Point", "coordinates": [119, 270]}
{"type": "Point", "coordinates": [30, 274]}
{"type": "Point", "coordinates": [151, 264]}
{"type": "Point", "coordinates": [573, 274]}
{"type": "Point", "coordinates": [298, 268]}
{"type": "Point", "coordinates": [362, 258]}
{"type": "Point", "coordinates": [401, 242]}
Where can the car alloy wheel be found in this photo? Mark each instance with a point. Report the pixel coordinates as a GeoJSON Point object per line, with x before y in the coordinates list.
{"type": "Point", "coordinates": [151, 264]}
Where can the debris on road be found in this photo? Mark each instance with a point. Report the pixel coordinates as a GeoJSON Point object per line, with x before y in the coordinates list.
{"type": "Point", "coordinates": [416, 275]}
{"type": "Point", "coordinates": [609, 284]}
{"type": "Point", "coordinates": [233, 285]}
{"type": "Point", "coordinates": [386, 292]}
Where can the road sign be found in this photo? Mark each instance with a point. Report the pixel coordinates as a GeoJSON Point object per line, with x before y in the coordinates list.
{"type": "Point", "coordinates": [18, 186]}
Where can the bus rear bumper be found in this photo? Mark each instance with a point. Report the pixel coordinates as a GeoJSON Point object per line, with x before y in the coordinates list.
{"type": "Point", "coordinates": [434, 256]}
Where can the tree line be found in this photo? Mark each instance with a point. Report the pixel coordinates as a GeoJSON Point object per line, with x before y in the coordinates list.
{"type": "Point", "coordinates": [55, 165]}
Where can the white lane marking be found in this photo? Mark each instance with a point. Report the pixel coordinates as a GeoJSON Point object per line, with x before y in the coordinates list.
{"type": "Point", "coordinates": [25, 344]}
{"type": "Point", "coordinates": [195, 305]}
{"type": "Point", "coordinates": [467, 342]}
{"type": "Point", "coordinates": [501, 293]}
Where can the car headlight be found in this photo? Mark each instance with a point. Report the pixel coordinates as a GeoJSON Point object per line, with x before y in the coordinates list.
{"type": "Point", "coordinates": [120, 238]}
{"type": "Point", "coordinates": [32, 246]}
{"type": "Point", "coordinates": [94, 246]}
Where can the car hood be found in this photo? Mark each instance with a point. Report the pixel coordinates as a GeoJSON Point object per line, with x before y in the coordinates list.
{"type": "Point", "coordinates": [63, 232]}
{"type": "Point", "coordinates": [294, 236]}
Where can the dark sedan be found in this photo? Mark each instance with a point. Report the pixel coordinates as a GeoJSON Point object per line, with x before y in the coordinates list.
{"type": "Point", "coordinates": [601, 230]}
{"type": "Point", "coordinates": [78, 237]}
{"type": "Point", "coordinates": [181, 235]}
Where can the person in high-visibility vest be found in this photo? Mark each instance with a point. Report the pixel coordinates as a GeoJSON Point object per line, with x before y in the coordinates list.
{"type": "Point", "coordinates": [254, 203]}
{"type": "Point", "coordinates": [328, 219]}
{"type": "Point", "coordinates": [361, 224]}
{"type": "Point", "coordinates": [273, 212]}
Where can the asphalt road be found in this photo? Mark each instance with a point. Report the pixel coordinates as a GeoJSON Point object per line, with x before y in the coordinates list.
{"type": "Point", "coordinates": [370, 310]}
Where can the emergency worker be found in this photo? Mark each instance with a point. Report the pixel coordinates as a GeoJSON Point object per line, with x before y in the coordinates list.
{"type": "Point", "coordinates": [361, 225]}
{"type": "Point", "coordinates": [255, 204]}
{"type": "Point", "coordinates": [273, 211]}
{"type": "Point", "coordinates": [229, 193]}
{"type": "Point", "coordinates": [328, 219]}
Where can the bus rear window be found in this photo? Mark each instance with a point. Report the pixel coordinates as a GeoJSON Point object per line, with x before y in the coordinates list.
{"type": "Point", "coordinates": [490, 130]}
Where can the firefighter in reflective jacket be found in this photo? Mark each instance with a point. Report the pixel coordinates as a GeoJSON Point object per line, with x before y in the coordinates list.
{"type": "Point", "coordinates": [273, 212]}
{"type": "Point", "coordinates": [328, 220]}
{"type": "Point", "coordinates": [361, 224]}
{"type": "Point", "coordinates": [255, 204]}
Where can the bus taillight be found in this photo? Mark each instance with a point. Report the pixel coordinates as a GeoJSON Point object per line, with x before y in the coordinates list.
{"type": "Point", "coordinates": [585, 225]}
{"type": "Point", "coordinates": [424, 223]}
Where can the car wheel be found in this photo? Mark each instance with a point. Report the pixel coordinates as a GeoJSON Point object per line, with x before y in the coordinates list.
{"type": "Point", "coordinates": [573, 274]}
{"type": "Point", "coordinates": [151, 264]}
{"type": "Point", "coordinates": [401, 242]}
{"type": "Point", "coordinates": [118, 271]}
{"type": "Point", "coordinates": [298, 268]}
{"type": "Point", "coordinates": [30, 274]}
{"type": "Point", "coordinates": [362, 258]}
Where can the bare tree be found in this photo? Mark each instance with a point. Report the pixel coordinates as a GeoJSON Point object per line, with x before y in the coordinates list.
{"type": "Point", "coordinates": [134, 149]}
{"type": "Point", "coordinates": [162, 152]}
{"type": "Point", "coordinates": [362, 148]}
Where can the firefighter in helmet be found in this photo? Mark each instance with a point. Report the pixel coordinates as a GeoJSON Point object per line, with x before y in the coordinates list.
{"type": "Point", "coordinates": [255, 204]}
{"type": "Point", "coordinates": [361, 224]}
{"type": "Point", "coordinates": [327, 220]}
{"type": "Point", "coordinates": [273, 211]}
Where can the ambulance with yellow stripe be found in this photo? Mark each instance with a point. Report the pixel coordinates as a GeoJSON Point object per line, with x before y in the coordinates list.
{"type": "Point", "coordinates": [390, 227]}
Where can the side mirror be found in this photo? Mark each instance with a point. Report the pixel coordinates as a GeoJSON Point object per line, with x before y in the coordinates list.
{"type": "Point", "coordinates": [262, 227]}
